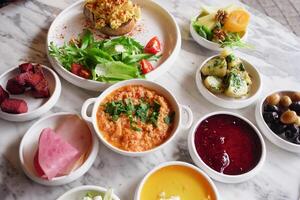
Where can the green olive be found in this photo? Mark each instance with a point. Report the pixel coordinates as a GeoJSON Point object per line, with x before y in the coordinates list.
{"type": "Point", "coordinates": [298, 121]}
{"type": "Point", "coordinates": [289, 117]}
{"type": "Point", "coordinates": [296, 96]}
{"type": "Point", "coordinates": [285, 101]}
{"type": "Point", "coordinates": [273, 99]}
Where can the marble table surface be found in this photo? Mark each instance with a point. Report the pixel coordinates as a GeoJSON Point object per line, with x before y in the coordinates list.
{"type": "Point", "coordinates": [23, 30]}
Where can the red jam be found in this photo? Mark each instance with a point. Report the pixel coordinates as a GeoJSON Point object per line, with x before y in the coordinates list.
{"type": "Point", "coordinates": [228, 144]}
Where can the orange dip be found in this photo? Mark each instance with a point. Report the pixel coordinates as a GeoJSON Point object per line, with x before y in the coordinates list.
{"type": "Point", "coordinates": [148, 124]}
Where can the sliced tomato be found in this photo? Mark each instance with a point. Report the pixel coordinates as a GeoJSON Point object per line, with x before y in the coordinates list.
{"type": "Point", "coordinates": [153, 46]}
{"type": "Point", "coordinates": [75, 68]}
{"type": "Point", "coordinates": [85, 73]}
{"type": "Point", "coordinates": [81, 71]}
{"type": "Point", "coordinates": [146, 66]}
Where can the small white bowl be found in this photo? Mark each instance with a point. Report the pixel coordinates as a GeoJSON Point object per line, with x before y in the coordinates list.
{"type": "Point", "coordinates": [230, 102]}
{"type": "Point", "coordinates": [29, 146]}
{"type": "Point", "coordinates": [209, 44]}
{"type": "Point", "coordinates": [217, 175]}
{"type": "Point", "coordinates": [275, 139]}
{"type": "Point", "coordinates": [36, 107]}
{"type": "Point", "coordinates": [178, 108]}
{"type": "Point", "coordinates": [155, 21]}
{"type": "Point", "coordinates": [175, 163]}
{"type": "Point", "coordinates": [79, 192]}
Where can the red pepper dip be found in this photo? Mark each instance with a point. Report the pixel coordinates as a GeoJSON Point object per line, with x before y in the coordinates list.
{"type": "Point", "coordinates": [228, 144]}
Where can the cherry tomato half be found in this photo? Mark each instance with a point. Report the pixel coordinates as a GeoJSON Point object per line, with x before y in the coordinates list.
{"type": "Point", "coordinates": [81, 71]}
{"type": "Point", "coordinates": [75, 68]}
{"type": "Point", "coordinates": [146, 66]}
{"type": "Point", "coordinates": [153, 46]}
{"type": "Point", "coordinates": [85, 73]}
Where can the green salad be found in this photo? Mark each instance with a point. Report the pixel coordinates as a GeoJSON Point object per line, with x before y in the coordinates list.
{"type": "Point", "coordinates": [225, 26]}
{"type": "Point", "coordinates": [108, 60]}
{"type": "Point", "coordinates": [93, 195]}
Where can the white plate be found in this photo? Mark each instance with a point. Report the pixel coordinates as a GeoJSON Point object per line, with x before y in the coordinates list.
{"type": "Point", "coordinates": [36, 106]}
{"type": "Point", "coordinates": [229, 102]}
{"type": "Point", "coordinates": [155, 21]}
{"type": "Point", "coordinates": [209, 44]}
{"type": "Point", "coordinates": [29, 146]}
{"type": "Point", "coordinates": [79, 192]}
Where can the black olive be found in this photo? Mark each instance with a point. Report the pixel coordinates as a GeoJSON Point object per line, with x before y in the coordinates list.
{"type": "Point", "coordinates": [270, 116]}
{"type": "Point", "coordinates": [291, 132]}
{"type": "Point", "coordinates": [297, 140]}
{"type": "Point", "coordinates": [295, 106]}
{"type": "Point", "coordinates": [271, 108]}
{"type": "Point", "coordinates": [278, 128]}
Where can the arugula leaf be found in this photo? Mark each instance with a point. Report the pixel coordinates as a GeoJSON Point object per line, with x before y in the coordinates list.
{"type": "Point", "coordinates": [87, 39]}
{"type": "Point", "coordinates": [137, 58]}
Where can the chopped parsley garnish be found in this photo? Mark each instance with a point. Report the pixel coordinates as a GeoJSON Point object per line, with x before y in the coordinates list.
{"type": "Point", "coordinates": [230, 58]}
{"type": "Point", "coordinates": [114, 109]}
{"type": "Point", "coordinates": [170, 118]}
{"type": "Point", "coordinates": [143, 111]}
{"type": "Point", "coordinates": [155, 113]}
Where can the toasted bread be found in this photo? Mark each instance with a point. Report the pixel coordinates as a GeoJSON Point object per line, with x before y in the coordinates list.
{"type": "Point", "coordinates": [107, 30]}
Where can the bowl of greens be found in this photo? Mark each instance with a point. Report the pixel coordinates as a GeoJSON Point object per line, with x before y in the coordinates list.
{"type": "Point", "coordinates": [217, 28]}
{"type": "Point", "coordinates": [86, 62]}
{"type": "Point", "coordinates": [89, 192]}
{"type": "Point", "coordinates": [92, 61]}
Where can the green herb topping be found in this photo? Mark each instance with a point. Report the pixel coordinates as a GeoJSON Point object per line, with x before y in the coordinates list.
{"type": "Point", "coordinates": [145, 112]}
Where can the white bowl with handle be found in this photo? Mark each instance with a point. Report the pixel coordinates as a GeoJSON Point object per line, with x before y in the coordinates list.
{"type": "Point", "coordinates": [178, 108]}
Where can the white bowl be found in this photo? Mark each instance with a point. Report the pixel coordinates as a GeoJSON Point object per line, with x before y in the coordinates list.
{"type": "Point", "coordinates": [29, 146]}
{"type": "Point", "coordinates": [209, 44]}
{"type": "Point", "coordinates": [36, 107]}
{"type": "Point", "coordinates": [275, 139]}
{"type": "Point", "coordinates": [156, 21]}
{"type": "Point", "coordinates": [148, 84]}
{"type": "Point", "coordinates": [176, 163]}
{"type": "Point", "coordinates": [217, 175]}
{"type": "Point", "coordinates": [79, 192]}
{"type": "Point", "coordinates": [229, 102]}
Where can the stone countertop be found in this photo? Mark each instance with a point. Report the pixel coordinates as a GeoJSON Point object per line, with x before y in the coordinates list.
{"type": "Point", "coordinates": [23, 31]}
